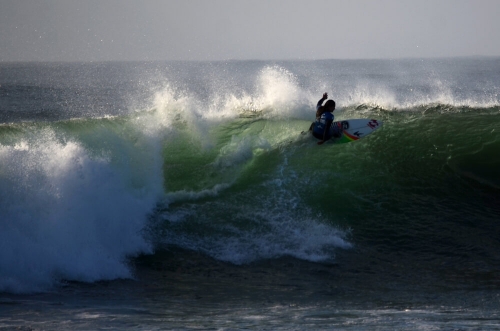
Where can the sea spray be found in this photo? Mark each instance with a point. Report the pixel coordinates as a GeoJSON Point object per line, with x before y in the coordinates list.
{"type": "Point", "coordinates": [68, 212]}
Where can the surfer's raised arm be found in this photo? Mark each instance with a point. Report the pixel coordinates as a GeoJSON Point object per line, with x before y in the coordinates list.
{"type": "Point", "coordinates": [320, 102]}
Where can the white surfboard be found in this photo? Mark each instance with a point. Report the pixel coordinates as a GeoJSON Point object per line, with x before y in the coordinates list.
{"type": "Point", "coordinates": [355, 129]}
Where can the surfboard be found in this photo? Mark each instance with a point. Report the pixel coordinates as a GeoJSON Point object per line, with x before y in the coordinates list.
{"type": "Point", "coordinates": [353, 129]}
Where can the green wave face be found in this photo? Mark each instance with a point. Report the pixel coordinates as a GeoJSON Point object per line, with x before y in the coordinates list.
{"type": "Point", "coordinates": [217, 164]}
{"type": "Point", "coordinates": [263, 185]}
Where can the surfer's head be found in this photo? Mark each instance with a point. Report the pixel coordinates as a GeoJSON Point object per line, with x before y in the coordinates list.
{"type": "Point", "coordinates": [330, 105]}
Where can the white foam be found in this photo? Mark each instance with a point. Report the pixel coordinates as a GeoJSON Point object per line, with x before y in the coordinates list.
{"type": "Point", "coordinates": [256, 232]}
{"type": "Point", "coordinates": [185, 195]}
{"type": "Point", "coordinates": [276, 93]}
{"type": "Point", "coordinates": [377, 95]}
{"type": "Point", "coordinates": [67, 214]}
{"type": "Point", "coordinates": [240, 150]}
{"type": "Point", "coordinates": [245, 227]}
{"type": "Point", "coordinates": [280, 95]}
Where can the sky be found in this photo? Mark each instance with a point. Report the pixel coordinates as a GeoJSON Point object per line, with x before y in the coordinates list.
{"type": "Point", "coordinates": [206, 30]}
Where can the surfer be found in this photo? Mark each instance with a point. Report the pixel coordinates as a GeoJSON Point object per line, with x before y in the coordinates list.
{"type": "Point", "coordinates": [324, 119]}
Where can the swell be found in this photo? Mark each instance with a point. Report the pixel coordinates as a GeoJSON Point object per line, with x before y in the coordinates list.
{"type": "Point", "coordinates": [82, 195]}
{"type": "Point", "coordinates": [265, 191]}
{"type": "Point", "coordinates": [423, 190]}
{"type": "Point", "coordinates": [215, 163]}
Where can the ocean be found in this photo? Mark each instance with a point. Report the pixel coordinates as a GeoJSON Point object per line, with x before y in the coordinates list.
{"type": "Point", "coordinates": [181, 195]}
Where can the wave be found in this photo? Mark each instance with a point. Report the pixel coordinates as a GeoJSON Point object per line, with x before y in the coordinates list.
{"type": "Point", "coordinates": [230, 176]}
{"type": "Point", "coordinates": [74, 198]}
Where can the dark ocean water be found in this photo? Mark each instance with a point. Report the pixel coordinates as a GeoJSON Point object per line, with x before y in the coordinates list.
{"type": "Point", "coordinates": [181, 195]}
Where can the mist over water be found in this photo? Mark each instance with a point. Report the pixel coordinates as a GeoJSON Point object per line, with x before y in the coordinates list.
{"type": "Point", "coordinates": [100, 163]}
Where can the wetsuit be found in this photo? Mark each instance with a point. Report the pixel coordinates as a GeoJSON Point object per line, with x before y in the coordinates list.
{"type": "Point", "coordinates": [323, 123]}
{"type": "Point", "coordinates": [322, 127]}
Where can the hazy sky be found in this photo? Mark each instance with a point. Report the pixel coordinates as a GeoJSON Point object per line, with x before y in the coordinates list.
{"type": "Point", "coordinates": [89, 30]}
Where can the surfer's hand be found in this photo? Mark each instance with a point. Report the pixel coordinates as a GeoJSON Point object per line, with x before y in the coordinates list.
{"type": "Point", "coordinates": [325, 95]}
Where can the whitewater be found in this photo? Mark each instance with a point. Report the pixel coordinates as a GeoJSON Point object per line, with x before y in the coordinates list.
{"type": "Point", "coordinates": [189, 185]}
